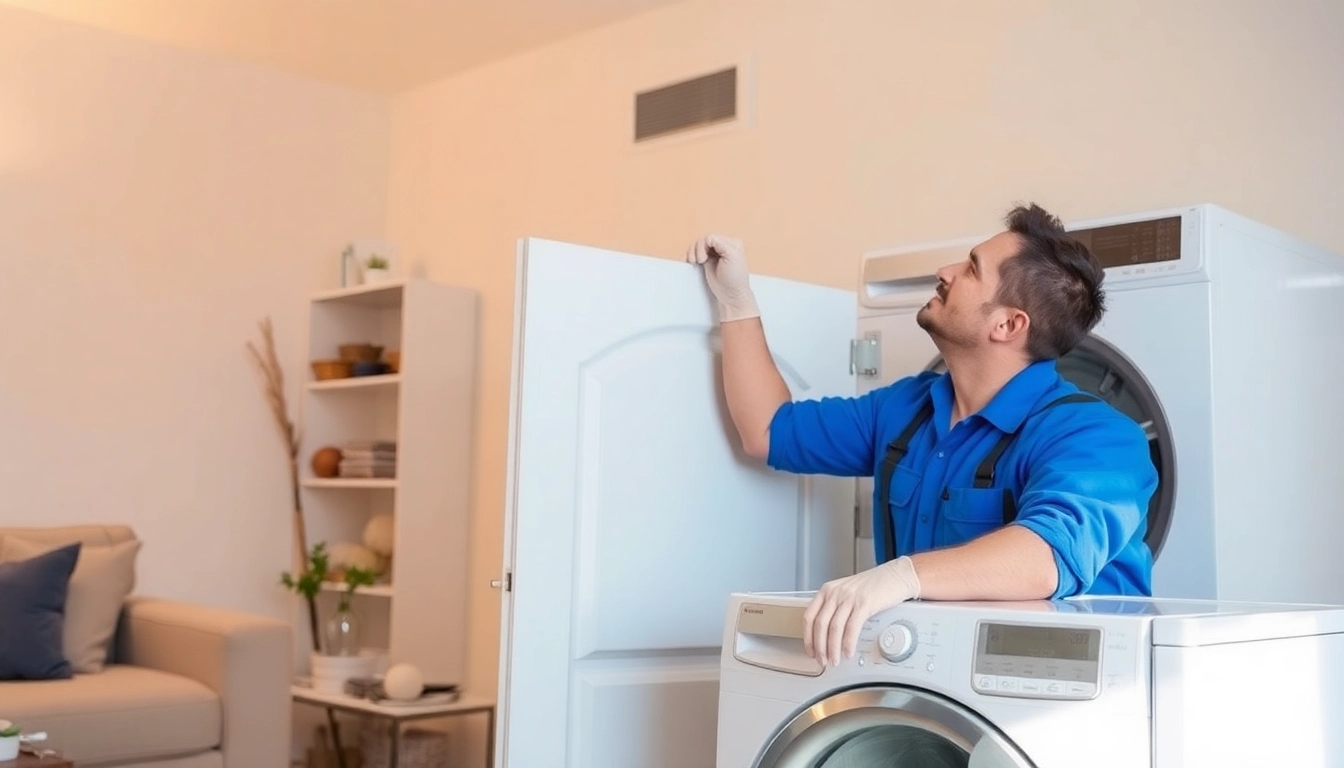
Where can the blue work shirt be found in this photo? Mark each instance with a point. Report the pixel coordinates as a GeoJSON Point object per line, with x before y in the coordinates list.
{"type": "Point", "coordinates": [1081, 473]}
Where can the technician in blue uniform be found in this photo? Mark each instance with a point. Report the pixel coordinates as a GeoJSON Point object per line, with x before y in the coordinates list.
{"type": "Point", "coordinates": [998, 480]}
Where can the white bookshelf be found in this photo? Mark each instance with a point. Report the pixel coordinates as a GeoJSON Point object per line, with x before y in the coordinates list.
{"type": "Point", "coordinates": [420, 613]}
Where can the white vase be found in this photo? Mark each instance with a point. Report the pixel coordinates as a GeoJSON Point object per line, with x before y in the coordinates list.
{"type": "Point", "coordinates": [375, 276]}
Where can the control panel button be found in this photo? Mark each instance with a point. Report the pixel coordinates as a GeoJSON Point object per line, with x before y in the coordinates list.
{"type": "Point", "coordinates": [1029, 688]}
{"type": "Point", "coordinates": [897, 641]}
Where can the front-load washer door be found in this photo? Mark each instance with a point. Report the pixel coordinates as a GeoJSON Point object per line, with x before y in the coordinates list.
{"type": "Point", "coordinates": [889, 727]}
{"type": "Point", "coordinates": [1098, 367]}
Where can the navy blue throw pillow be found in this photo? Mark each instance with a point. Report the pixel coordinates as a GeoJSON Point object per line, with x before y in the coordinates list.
{"type": "Point", "coordinates": [32, 615]}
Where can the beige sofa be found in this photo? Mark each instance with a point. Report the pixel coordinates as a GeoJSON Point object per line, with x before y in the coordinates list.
{"type": "Point", "coordinates": [183, 686]}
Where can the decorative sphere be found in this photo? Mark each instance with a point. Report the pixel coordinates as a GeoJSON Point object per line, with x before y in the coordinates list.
{"type": "Point", "coordinates": [379, 534]}
{"type": "Point", "coordinates": [403, 682]}
{"type": "Point", "coordinates": [327, 462]}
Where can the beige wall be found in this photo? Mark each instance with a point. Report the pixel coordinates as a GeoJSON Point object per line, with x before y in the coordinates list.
{"type": "Point", "coordinates": [154, 205]}
{"type": "Point", "coordinates": [877, 123]}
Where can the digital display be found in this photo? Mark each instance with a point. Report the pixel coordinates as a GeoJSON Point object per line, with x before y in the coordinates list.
{"type": "Point", "coordinates": [1043, 642]}
{"type": "Point", "coordinates": [1138, 242]}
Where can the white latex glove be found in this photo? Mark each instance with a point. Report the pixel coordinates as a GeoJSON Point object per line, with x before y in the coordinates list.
{"type": "Point", "coordinates": [726, 272]}
{"type": "Point", "coordinates": [833, 619]}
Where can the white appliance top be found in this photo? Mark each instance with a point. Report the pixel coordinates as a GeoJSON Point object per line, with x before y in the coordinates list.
{"type": "Point", "coordinates": [1174, 622]}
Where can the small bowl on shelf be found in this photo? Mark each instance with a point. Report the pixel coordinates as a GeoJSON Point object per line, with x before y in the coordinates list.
{"type": "Point", "coordinates": [369, 368]}
{"type": "Point", "coordinates": [332, 369]}
{"type": "Point", "coordinates": [360, 353]}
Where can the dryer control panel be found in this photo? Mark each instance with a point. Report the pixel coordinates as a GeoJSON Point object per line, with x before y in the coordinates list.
{"type": "Point", "coordinates": [1044, 661]}
{"type": "Point", "coordinates": [1146, 246]}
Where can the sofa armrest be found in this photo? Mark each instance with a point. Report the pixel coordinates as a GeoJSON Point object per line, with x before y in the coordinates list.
{"type": "Point", "coordinates": [246, 659]}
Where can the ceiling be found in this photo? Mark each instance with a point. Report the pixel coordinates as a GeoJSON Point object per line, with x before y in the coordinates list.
{"type": "Point", "coordinates": [384, 46]}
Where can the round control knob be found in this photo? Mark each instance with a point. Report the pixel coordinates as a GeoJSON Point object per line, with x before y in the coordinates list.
{"type": "Point", "coordinates": [897, 641]}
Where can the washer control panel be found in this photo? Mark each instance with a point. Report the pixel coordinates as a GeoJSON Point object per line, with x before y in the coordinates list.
{"type": "Point", "coordinates": [1037, 661]}
{"type": "Point", "coordinates": [906, 649]}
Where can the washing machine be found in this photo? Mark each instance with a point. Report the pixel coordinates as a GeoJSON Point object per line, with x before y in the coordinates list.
{"type": "Point", "coordinates": [1096, 681]}
{"type": "Point", "coordinates": [1221, 338]}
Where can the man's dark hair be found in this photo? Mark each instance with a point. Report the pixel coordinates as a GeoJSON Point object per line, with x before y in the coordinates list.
{"type": "Point", "coordinates": [1055, 279]}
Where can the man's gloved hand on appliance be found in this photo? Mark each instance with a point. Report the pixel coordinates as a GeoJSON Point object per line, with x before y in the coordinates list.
{"type": "Point", "coordinates": [835, 617]}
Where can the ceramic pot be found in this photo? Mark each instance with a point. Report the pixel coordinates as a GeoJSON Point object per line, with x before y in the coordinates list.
{"type": "Point", "coordinates": [9, 745]}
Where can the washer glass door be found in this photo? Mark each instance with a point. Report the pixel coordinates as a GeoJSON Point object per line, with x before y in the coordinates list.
{"type": "Point", "coordinates": [890, 727]}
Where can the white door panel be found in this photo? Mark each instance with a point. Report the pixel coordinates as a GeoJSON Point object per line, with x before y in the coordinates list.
{"type": "Point", "coordinates": [633, 514]}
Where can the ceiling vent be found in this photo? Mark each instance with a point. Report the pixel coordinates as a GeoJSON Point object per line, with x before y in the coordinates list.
{"type": "Point", "coordinates": [689, 104]}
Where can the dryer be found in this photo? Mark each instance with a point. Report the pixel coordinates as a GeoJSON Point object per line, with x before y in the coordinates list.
{"type": "Point", "coordinates": [1221, 339]}
{"type": "Point", "coordinates": [1102, 682]}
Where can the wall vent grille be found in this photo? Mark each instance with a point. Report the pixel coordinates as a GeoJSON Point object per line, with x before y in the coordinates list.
{"type": "Point", "coordinates": [685, 105]}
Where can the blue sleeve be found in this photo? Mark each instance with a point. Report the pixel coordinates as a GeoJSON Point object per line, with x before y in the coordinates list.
{"type": "Point", "coordinates": [830, 436]}
{"type": "Point", "coordinates": [1087, 492]}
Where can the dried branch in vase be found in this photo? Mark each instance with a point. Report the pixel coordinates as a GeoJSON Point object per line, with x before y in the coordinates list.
{"type": "Point", "coordinates": [269, 363]}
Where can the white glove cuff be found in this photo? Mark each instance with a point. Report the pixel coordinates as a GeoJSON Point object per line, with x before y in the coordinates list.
{"type": "Point", "coordinates": [742, 307]}
{"type": "Point", "coordinates": [903, 570]}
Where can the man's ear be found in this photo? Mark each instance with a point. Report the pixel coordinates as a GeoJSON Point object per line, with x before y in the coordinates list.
{"type": "Point", "coordinates": [1010, 325]}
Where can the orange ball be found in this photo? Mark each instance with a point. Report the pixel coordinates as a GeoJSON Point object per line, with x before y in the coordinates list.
{"type": "Point", "coordinates": [327, 462]}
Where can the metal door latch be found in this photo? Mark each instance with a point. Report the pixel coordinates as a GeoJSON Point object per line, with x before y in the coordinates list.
{"type": "Point", "coordinates": [865, 355]}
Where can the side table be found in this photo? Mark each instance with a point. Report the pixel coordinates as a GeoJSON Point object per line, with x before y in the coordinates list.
{"type": "Point", "coordinates": [398, 714]}
{"type": "Point", "coordinates": [29, 760]}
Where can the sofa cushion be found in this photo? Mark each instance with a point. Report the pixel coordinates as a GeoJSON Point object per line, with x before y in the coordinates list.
{"type": "Point", "coordinates": [32, 615]}
{"type": "Point", "coordinates": [124, 713]}
{"type": "Point", "coordinates": [104, 576]}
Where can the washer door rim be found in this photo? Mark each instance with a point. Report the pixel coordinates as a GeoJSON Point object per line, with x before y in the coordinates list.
{"type": "Point", "coordinates": [814, 729]}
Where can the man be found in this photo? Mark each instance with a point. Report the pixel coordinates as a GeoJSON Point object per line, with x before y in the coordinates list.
{"type": "Point", "coordinates": [998, 480]}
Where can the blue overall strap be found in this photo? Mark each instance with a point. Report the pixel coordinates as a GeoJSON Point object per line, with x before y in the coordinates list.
{"type": "Point", "coordinates": [984, 474]}
{"type": "Point", "coordinates": [896, 451]}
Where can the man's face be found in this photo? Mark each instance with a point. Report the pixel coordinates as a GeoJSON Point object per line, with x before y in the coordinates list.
{"type": "Point", "coordinates": [963, 311]}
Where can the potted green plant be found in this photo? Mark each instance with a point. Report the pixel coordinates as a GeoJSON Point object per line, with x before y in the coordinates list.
{"type": "Point", "coordinates": [336, 655]}
{"type": "Point", "coordinates": [9, 740]}
{"type": "Point", "coordinates": [342, 628]}
{"type": "Point", "coordinates": [376, 269]}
